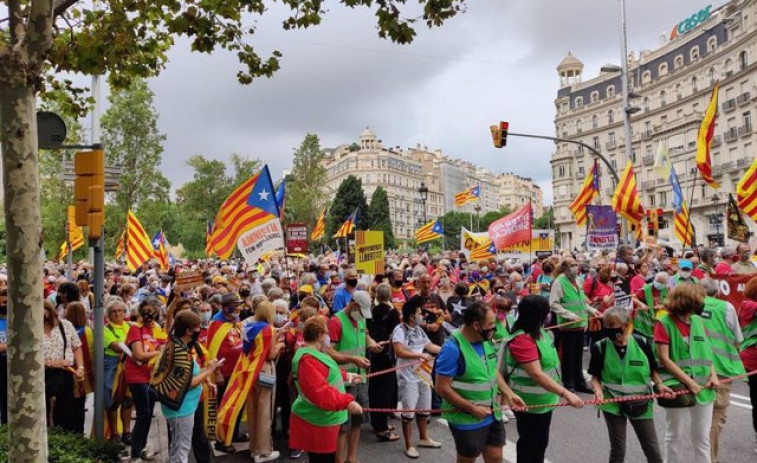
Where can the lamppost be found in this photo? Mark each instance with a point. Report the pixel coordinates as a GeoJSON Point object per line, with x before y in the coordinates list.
{"type": "Point", "coordinates": [718, 218]}
{"type": "Point", "coordinates": [423, 191]}
{"type": "Point", "coordinates": [478, 217]}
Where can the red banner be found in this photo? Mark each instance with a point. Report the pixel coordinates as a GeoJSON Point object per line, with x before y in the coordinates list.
{"type": "Point", "coordinates": [512, 229]}
{"type": "Point", "coordinates": [732, 288]}
{"type": "Point", "coordinates": [297, 237]}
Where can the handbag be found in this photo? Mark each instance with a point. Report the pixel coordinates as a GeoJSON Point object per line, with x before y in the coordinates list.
{"type": "Point", "coordinates": [679, 401]}
{"type": "Point", "coordinates": [266, 380]}
{"type": "Point", "coordinates": [634, 408]}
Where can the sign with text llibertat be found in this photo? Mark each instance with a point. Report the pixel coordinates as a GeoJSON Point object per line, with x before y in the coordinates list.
{"type": "Point", "coordinates": [369, 252]}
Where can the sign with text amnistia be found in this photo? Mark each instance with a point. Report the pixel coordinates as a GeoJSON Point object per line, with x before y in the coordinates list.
{"type": "Point", "coordinates": [297, 237]}
{"type": "Point", "coordinates": [369, 252]}
{"type": "Point", "coordinates": [254, 243]}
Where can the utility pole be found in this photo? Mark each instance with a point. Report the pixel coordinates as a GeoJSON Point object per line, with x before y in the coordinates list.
{"type": "Point", "coordinates": [626, 105]}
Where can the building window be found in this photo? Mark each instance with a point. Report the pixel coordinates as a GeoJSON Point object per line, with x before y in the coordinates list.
{"type": "Point", "coordinates": [611, 137]}
{"type": "Point", "coordinates": [596, 143]}
{"type": "Point", "coordinates": [694, 53]}
{"type": "Point", "coordinates": [748, 120]}
{"type": "Point", "coordinates": [610, 116]}
{"type": "Point", "coordinates": [712, 42]}
{"type": "Point", "coordinates": [646, 104]}
{"type": "Point", "coordinates": [579, 102]}
{"type": "Point", "coordinates": [663, 198]}
{"type": "Point", "coordinates": [694, 87]}
{"type": "Point", "coordinates": [743, 60]}
{"type": "Point", "coordinates": [594, 121]}
{"type": "Point", "coordinates": [662, 70]}
{"type": "Point", "coordinates": [646, 77]}
{"type": "Point", "coordinates": [565, 130]}
{"type": "Point", "coordinates": [678, 62]}
{"type": "Point", "coordinates": [579, 126]}
{"type": "Point", "coordinates": [728, 67]}
{"type": "Point", "coordinates": [610, 91]}
{"type": "Point", "coordinates": [561, 171]}
{"type": "Point", "coordinates": [663, 98]}
{"type": "Point", "coordinates": [651, 200]}
{"type": "Point", "coordinates": [712, 76]}
{"type": "Point", "coordinates": [678, 92]}
{"type": "Point", "coordinates": [594, 96]}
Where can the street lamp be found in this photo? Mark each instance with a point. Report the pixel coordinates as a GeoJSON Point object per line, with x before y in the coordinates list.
{"type": "Point", "coordinates": [718, 218]}
{"type": "Point", "coordinates": [478, 217]}
{"type": "Point", "coordinates": [423, 191]}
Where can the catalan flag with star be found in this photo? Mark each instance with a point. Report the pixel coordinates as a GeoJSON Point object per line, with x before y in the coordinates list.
{"type": "Point", "coordinates": [483, 252]}
{"type": "Point", "coordinates": [468, 195]}
{"type": "Point", "coordinates": [704, 139]}
{"type": "Point", "coordinates": [746, 192]}
{"type": "Point", "coordinates": [251, 204]}
{"type": "Point", "coordinates": [429, 232]}
{"type": "Point", "coordinates": [589, 190]}
{"type": "Point", "coordinates": [348, 226]}
{"type": "Point", "coordinates": [626, 201]}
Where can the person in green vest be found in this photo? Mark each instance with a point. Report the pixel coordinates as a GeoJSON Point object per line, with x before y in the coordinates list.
{"type": "Point", "coordinates": [472, 389]}
{"type": "Point", "coordinates": [322, 405]}
{"type": "Point", "coordinates": [349, 340]}
{"type": "Point", "coordinates": [721, 323]}
{"type": "Point", "coordinates": [686, 362]}
{"type": "Point", "coordinates": [622, 364]}
{"type": "Point", "coordinates": [648, 303]}
{"type": "Point", "coordinates": [532, 369]}
{"type": "Point", "coordinates": [748, 323]}
{"type": "Point", "coordinates": [685, 267]}
{"type": "Point", "coordinates": [568, 301]}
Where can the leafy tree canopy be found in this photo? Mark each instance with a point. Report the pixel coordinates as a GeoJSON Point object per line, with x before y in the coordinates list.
{"type": "Point", "coordinates": [378, 217]}
{"type": "Point", "coordinates": [348, 196]}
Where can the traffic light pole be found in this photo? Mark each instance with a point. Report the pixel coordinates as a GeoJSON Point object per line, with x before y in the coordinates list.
{"type": "Point", "coordinates": [99, 269]}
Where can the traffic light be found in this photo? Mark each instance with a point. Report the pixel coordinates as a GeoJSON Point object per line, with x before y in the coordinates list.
{"type": "Point", "coordinates": [89, 190]}
{"type": "Point", "coordinates": [499, 134]}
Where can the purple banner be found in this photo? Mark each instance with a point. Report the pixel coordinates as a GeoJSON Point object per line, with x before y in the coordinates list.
{"type": "Point", "coordinates": [601, 228]}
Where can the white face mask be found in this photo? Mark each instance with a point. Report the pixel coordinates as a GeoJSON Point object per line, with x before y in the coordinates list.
{"type": "Point", "coordinates": [280, 319]}
{"type": "Point", "coordinates": [659, 286]}
{"type": "Point", "coordinates": [685, 273]}
{"type": "Point", "coordinates": [356, 315]}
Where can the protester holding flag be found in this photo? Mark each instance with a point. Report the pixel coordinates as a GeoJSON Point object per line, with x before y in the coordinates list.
{"type": "Point", "coordinates": [114, 335]}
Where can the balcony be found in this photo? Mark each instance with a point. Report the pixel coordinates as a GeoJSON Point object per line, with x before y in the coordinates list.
{"type": "Point", "coordinates": [745, 130]}
{"type": "Point", "coordinates": [729, 105]}
{"type": "Point", "coordinates": [610, 145]}
{"type": "Point", "coordinates": [646, 135]}
{"type": "Point", "coordinates": [720, 169]}
{"type": "Point", "coordinates": [647, 185]}
{"type": "Point", "coordinates": [647, 160]}
{"type": "Point", "coordinates": [716, 141]}
{"type": "Point", "coordinates": [743, 99]}
{"type": "Point", "coordinates": [661, 180]}
{"type": "Point", "coordinates": [731, 135]}
{"type": "Point", "coordinates": [743, 162]}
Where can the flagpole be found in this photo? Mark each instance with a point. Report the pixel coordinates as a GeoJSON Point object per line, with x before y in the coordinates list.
{"type": "Point", "coordinates": [70, 253]}
{"type": "Point", "coordinates": [691, 199]}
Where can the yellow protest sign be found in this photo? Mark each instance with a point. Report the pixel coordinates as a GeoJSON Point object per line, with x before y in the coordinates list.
{"type": "Point", "coordinates": [369, 252]}
{"type": "Point", "coordinates": [542, 243]}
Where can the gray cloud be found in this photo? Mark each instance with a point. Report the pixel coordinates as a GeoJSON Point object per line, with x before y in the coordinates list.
{"type": "Point", "coordinates": [495, 62]}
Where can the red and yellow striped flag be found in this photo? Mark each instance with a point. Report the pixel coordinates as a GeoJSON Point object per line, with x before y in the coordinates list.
{"type": "Point", "coordinates": [121, 246]}
{"type": "Point", "coordinates": [625, 200]}
{"type": "Point", "coordinates": [589, 190]}
{"type": "Point", "coordinates": [74, 234]}
{"type": "Point", "coordinates": [683, 229]}
{"type": "Point", "coordinates": [704, 139]}
{"type": "Point", "coordinates": [209, 239]}
{"type": "Point", "coordinates": [138, 245]}
{"type": "Point", "coordinates": [320, 227]}
{"type": "Point", "coordinates": [348, 226]}
{"type": "Point", "coordinates": [746, 192]}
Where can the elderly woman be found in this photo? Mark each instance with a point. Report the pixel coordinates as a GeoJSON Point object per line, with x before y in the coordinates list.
{"type": "Point", "coordinates": [322, 404]}
{"type": "Point", "coordinates": [61, 348]}
{"type": "Point", "coordinates": [685, 354]}
{"type": "Point", "coordinates": [114, 337]}
{"type": "Point", "coordinates": [622, 364]}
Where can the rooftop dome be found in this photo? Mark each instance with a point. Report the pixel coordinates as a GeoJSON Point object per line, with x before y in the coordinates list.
{"type": "Point", "coordinates": [570, 62]}
{"type": "Point", "coordinates": [367, 133]}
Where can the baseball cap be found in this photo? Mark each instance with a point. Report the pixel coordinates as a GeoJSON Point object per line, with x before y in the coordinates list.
{"type": "Point", "coordinates": [685, 264]}
{"type": "Point", "coordinates": [364, 300]}
{"type": "Point", "coordinates": [231, 298]}
{"type": "Point", "coordinates": [307, 289]}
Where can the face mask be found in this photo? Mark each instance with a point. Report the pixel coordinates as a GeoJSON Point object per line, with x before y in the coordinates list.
{"type": "Point", "coordinates": [195, 336]}
{"type": "Point", "coordinates": [572, 271]}
{"type": "Point", "coordinates": [279, 320]}
{"type": "Point", "coordinates": [287, 296]}
{"type": "Point", "coordinates": [685, 274]}
{"type": "Point", "coordinates": [229, 309]}
{"type": "Point", "coordinates": [745, 257]}
{"type": "Point", "coordinates": [326, 342]}
{"type": "Point", "coordinates": [486, 334]}
{"type": "Point", "coordinates": [659, 286]}
{"type": "Point", "coordinates": [501, 316]}
{"type": "Point", "coordinates": [205, 316]}
{"type": "Point", "coordinates": [351, 282]}
{"type": "Point", "coordinates": [356, 315]}
{"type": "Point", "coordinates": [614, 334]}
{"type": "Point", "coordinates": [635, 260]}
{"type": "Point", "coordinates": [153, 285]}
{"type": "Point", "coordinates": [148, 317]}
{"type": "Point", "coordinates": [519, 286]}
{"type": "Point", "coordinates": [244, 294]}
{"type": "Point", "coordinates": [397, 283]}
{"type": "Point", "coordinates": [418, 320]}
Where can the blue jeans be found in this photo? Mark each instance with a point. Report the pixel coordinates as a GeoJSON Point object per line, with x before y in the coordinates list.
{"type": "Point", "coordinates": [144, 403]}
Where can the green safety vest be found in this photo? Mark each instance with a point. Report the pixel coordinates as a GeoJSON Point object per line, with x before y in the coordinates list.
{"type": "Point", "coordinates": [694, 358]}
{"type": "Point", "coordinates": [352, 341]}
{"type": "Point", "coordinates": [524, 385]}
{"type": "Point", "coordinates": [573, 300]}
{"type": "Point", "coordinates": [629, 376]}
{"type": "Point", "coordinates": [501, 333]}
{"type": "Point", "coordinates": [691, 280]}
{"type": "Point", "coordinates": [305, 409]}
{"type": "Point", "coordinates": [644, 321]}
{"type": "Point", "coordinates": [478, 384]}
{"type": "Point", "coordinates": [725, 354]}
{"type": "Point", "coordinates": [750, 334]}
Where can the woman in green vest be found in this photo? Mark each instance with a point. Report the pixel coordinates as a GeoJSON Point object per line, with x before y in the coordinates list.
{"type": "Point", "coordinates": [532, 368]}
{"type": "Point", "coordinates": [685, 355]}
{"type": "Point", "coordinates": [622, 364]}
{"type": "Point", "coordinates": [321, 406]}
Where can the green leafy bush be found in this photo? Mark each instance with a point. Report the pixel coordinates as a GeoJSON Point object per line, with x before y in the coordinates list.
{"type": "Point", "coordinates": [65, 447]}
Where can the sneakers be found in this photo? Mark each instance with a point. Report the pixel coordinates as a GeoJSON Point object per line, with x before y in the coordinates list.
{"type": "Point", "coordinates": [508, 413]}
{"type": "Point", "coordinates": [147, 455]}
{"type": "Point", "coordinates": [505, 419]}
{"type": "Point", "coordinates": [411, 453]}
{"type": "Point", "coordinates": [429, 444]}
{"type": "Point", "coordinates": [265, 458]}
{"type": "Point", "coordinates": [295, 454]}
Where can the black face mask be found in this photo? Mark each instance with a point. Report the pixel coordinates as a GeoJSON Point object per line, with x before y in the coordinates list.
{"type": "Point", "coordinates": [352, 282]}
{"type": "Point", "coordinates": [244, 294]}
{"type": "Point", "coordinates": [614, 334]}
{"type": "Point", "coordinates": [487, 334]}
{"type": "Point", "coordinates": [397, 283]}
{"type": "Point", "coordinates": [3, 310]}
{"type": "Point", "coordinates": [148, 317]}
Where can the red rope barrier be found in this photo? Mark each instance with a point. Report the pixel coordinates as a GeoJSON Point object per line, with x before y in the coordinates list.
{"type": "Point", "coordinates": [390, 370]}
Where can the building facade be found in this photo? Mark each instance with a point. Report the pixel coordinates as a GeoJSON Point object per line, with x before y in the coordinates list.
{"type": "Point", "coordinates": [516, 191]}
{"type": "Point", "coordinates": [401, 171]}
{"type": "Point", "coordinates": [671, 87]}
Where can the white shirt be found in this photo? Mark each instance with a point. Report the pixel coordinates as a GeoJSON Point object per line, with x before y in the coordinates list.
{"type": "Point", "coordinates": [415, 340]}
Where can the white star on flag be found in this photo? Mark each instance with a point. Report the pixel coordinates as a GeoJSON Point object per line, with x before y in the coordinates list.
{"type": "Point", "coordinates": [263, 195]}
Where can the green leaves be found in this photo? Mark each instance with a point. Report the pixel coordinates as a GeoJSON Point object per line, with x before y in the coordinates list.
{"type": "Point", "coordinates": [306, 186]}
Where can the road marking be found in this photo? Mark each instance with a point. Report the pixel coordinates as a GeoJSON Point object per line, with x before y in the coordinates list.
{"type": "Point", "coordinates": [742, 397]}
{"type": "Point", "coordinates": [509, 454]}
{"type": "Point", "coordinates": [742, 405]}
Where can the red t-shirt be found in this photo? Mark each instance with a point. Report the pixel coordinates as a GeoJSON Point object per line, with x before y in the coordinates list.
{"type": "Point", "coordinates": [723, 268]}
{"type": "Point", "coordinates": [662, 336]}
{"type": "Point", "coordinates": [152, 339]}
{"type": "Point", "coordinates": [312, 377]}
{"type": "Point", "coordinates": [747, 314]}
{"type": "Point", "coordinates": [398, 298]}
{"type": "Point", "coordinates": [523, 349]}
{"type": "Point", "coordinates": [335, 329]}
{"type": "Point", "coordinates": [637, 283]}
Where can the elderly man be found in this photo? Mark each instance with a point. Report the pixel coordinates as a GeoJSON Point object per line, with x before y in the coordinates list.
{"type": "Point", "coordinates": [724, 267]}
{"type": "Point", "coordinates": [648, 301]}
{"type": "Point", "coordinates": [343, 294]}
{"type": "Point", "coordinates": [744, 264]}
{"type": "Point", "coordinates": [685, 268]}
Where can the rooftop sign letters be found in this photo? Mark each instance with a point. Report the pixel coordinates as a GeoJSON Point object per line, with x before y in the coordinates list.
{"type": "Point", "coordinates": [691, 22]}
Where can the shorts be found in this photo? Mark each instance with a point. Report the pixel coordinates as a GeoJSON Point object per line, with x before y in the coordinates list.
{"type": "Point", "coordinates": [360, 392]}
{"type": "Point", "coordinates": [414, 395]}
{"type": "Point", "coordinates": [470, 443]}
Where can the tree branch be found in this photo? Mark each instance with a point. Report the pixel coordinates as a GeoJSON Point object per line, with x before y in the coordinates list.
{"type": "Point", "coordinates": [61, 6]}
{"type": "Point", "coordinates": [39, 32]}
{"type": "Point", "coordinates": [16, 21]}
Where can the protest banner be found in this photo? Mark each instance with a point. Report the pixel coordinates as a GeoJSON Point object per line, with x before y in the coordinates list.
{"type": "Point", "coordinates": [256, 242]}
{"type": "Point", "coordinates": [188, 279]}
{"type": "Point", "coordinates": [601, 228]}
{"type": "Point", "coordinates": [541, 244]}
{"type": "Point", "coordinates": [470, 241]}
{"type": "Point", "coordinates": [512, 229]}
{"type": "Point", "coordinates": [297, 238]}
{"type": "Point", "coordinates": [369, 252]}
{"type": "Point", "coordinates": [732, 288]}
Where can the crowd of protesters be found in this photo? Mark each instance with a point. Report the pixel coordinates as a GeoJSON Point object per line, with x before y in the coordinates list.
{"type": "Point", "coordinates": [481, 343]}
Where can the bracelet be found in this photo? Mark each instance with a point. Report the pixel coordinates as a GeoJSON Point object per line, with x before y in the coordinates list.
{"type": "Point", "coordinates": [80, 367]}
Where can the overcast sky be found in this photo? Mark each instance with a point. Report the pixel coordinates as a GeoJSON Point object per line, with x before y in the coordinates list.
{"type": "Point", "coordinates": [495, 62]}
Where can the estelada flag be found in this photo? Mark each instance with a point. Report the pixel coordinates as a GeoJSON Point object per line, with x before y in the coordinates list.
{"type": "Point", "coordinates": [257, 337]}
{"type": "Point", "coordinates": [736, 228]}
{"type": "Point", "coordinates": [512, 229]}
{"type": "Point", "coordinates": [704, 139]}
